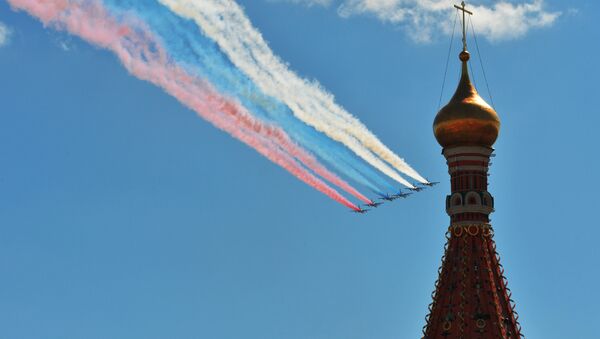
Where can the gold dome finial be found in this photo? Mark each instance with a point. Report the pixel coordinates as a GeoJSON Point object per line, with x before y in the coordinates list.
{"type": "Point", "coordinates": [467, 120]}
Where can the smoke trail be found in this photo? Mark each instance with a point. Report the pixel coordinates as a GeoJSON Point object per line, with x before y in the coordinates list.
{"type": "Point", "coordinates": [200, 55]}
{"type": "Point", "coordinates": [144, 58]}
{"type": "Point", "coordinates": [286, 144]}
{"type": "Point", "coordinates": [225, 22]}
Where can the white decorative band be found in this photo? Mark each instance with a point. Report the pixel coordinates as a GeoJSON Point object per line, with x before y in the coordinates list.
{"type": "Point", "coordinates": [470, 150]}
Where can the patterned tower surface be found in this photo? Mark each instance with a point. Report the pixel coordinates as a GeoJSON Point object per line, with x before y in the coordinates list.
{"type": "Point", "coordinates": [471, 297]}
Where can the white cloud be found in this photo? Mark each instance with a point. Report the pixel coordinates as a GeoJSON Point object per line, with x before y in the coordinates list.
{"type": "Point", "coordinates": [508, 21]}
{"type": "Point", "coordinates": [4, 34]}
{"type": "Point", "coordinates": [424, 19]}
{"type": "Point", "coordinates": [308, 3]}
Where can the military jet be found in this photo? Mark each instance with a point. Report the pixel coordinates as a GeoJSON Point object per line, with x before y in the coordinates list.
{"type": "Point", "coordinates": [387, 197]}
{"type": "Point", "coordinates": [430, 184]}
{"type": "Point", "coordinates": [374, 204]}
{"type": "Point", "coordinates": [401, 194]}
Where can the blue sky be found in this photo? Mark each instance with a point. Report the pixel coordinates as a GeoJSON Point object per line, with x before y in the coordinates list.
{"type": "Point", "coordinates": [123, 215]}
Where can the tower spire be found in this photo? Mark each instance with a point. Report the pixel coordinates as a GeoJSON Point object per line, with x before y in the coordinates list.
{"type": "Point", "coordinates": [471, 299]}
{"type": "Point", "coordinates": [462, 8]}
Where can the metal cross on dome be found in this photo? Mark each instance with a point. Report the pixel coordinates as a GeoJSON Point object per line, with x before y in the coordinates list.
{"type": "Point", "coordinates": [464, 22]}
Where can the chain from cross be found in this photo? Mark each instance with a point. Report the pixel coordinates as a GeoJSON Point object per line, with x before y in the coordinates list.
{"type": "Point", "coordinates": [464, 22]}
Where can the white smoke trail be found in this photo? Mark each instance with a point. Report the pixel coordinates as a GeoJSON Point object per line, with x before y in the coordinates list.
{"type": "Point", "coordinates": [225, 22]}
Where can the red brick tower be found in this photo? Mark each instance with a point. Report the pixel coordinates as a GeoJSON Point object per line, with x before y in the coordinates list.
{"type": "Point", "coordinates": [471, 298]}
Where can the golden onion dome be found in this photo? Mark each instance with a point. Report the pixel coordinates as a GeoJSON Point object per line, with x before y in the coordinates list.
{"type": "Point", "coordinates": [467, 120]}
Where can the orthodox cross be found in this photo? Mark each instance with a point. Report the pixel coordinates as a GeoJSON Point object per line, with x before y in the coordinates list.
{"type": "Point", "coordinates": [464, 22]}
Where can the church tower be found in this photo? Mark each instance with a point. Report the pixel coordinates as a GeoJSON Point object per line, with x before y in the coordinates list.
{"type": "Point", "coordinates": [471, 299]}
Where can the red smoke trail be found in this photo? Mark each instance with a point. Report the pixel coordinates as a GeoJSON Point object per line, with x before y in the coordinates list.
{"type": "Point", "coordinates": [296, 151]}
{"type": "Point", "coordinates": [144, 58]}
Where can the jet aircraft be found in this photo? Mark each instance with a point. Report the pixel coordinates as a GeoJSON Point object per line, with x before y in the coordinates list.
{"type": "Point", "coordinates": [374, 204]}
{"type": "Point", "coordinates": [430, 184]}
{"type": "Point", "coordinates": [388, 197]}
{"type": "Point", "coordinates": [401, 194]}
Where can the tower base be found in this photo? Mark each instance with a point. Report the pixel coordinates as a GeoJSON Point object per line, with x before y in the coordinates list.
{"type": "Point", "coordinates": [471, 298]}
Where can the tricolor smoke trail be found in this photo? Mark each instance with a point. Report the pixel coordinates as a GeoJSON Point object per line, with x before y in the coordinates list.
{"type": "Point", "coordinates": [226, 23]}
{"type": "Point", "coordinates": [202, 56]}
{"type": "Point", "coordinates": [144, 58]}
{"type": "Point", "coordinates": [229, 77]}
